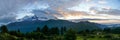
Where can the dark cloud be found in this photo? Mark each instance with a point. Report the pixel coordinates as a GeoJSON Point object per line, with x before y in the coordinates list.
{"type": "Point", "coordinates": [7, 18]}
{"type": "Point", "coordinates": [114, 12]}
{"type": "Point", "coordinates": [109, 11]}
{"type": "Point", "coordinates": [44, 13]}
{"type": "Point", "coordinates": [8, 7]}
{"type": "Point", "coordinates": [63, 3]}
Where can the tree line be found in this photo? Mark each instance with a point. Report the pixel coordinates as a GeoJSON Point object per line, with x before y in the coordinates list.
{"type": "Point", "coordinates": [44, 33]}
{"type": "Point", "coordinates": [56, 33]}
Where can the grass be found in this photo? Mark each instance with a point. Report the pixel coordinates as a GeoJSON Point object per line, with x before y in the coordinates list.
{"type": "Point", "coordinates": [96, 38]}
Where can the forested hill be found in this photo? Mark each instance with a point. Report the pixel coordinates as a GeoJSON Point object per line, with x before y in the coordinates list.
{"type": "Point", "coordinates": [27, 26]}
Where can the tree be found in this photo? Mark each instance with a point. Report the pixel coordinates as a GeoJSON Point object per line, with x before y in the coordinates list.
{"type": "Point", "coordinates": [107, 30]}
{"type": "Point", "coordinates": [70, 35]}
{"type": "Point", "coordinates": [18, 30]}
{"type": "Point", "coordinates": [38, 29]}
{"type": "Point", "coordinates": [54, 31]}
{"type": "Point", "coordinates": [16, 33]}
{"type": "Point", "coordinates": [35, 35]}
{"type": "Point", "coordinates": [4, 29]}
{"type": "Point", "coordinates": [63, 30]}
{"type": "Point", "coordinates": [45, 30]}
{"type": "Point", "coordinates": [6, 36]}
{"type": "Point", "coordinates": [116, 30]}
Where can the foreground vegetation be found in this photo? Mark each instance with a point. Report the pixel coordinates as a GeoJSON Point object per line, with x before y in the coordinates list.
{"type": "Point", "coordinates": [62, 33]}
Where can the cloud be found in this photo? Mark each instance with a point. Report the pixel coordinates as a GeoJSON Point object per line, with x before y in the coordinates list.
{"type": "Point", "coordinates": [102, 2]}
{"type": "Point", "coordinates": [105, 13]}
{"type": "Point", "coordinates": [87, 0]}
{"type": "Point", "coordinates": [73, 14]}
{"type": "Point", "coordinates": [22, 15]}
{"type": "Point", "coordinates": [115, 12]}
{"type": "Point", "coordinates": [8, 7]}
{"type": "Point", "coordinates": [7, 18]}
{"type": "Point", "coordinates": [106, 21]}
{"type": "Point", "coordinates": [105, 10]}
{"type": "Point", "coordinates": [68, 15]}
{"type": "Point", "coordinates": [63, 3]}
{"type": "Point", "coordinates": [10, 10]}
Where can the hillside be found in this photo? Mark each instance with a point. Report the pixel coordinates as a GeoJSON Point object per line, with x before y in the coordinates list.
{"type": "Point", "coordinates": [26, 26]}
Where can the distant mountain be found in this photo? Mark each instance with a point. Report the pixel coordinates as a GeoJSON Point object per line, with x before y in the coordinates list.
{"type": "Point", "coordinates": [32, 18]}
{"type": "Point", "coordinates": [27, 26]}
{"type": "Point", "coordinates": [39, 15]}
{"type": "Point", "coordinates": [113, 25]}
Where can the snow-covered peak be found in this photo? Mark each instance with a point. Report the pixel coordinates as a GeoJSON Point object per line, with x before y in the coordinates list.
{"type": "Point", "coordinates": [32, 18]}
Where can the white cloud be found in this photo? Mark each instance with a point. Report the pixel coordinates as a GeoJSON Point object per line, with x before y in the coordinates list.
{"type": "Point", "coordinates": [102, 2]}
{"type": "Point", "coordinates": [8, 7]}
{"type": "Point", "coordinates": [22, 15]}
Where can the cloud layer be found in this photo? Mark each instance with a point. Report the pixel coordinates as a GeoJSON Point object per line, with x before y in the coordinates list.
{"type": "Point", "coordinates": [11, 10]}
{"type": "Point", "coordinates": [12, 7]}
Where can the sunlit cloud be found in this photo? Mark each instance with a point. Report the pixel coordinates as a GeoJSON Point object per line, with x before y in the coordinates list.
{"type": "Point", "coordinates": [93, 11]}
{"type": "Point", "coordinates": [106, 8]}
{"type": "Point", "coordinates": [106, 21]}
{"type": "Point", "coordinates": [60, 9]}
{"type": "Point", "coordinates": [87, 0]}
{"type": "Point", "coordinates": [102, 2]}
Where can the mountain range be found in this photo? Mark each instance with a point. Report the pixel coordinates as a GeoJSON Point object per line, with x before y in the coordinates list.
{"type": "Point", "coordinates": [30, 25]}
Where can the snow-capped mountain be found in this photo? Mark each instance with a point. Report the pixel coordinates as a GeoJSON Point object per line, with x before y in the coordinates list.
{"type": "Point", "coordinates": [33, 18]}
{"type": "Point", "coordinates": [26, 26]}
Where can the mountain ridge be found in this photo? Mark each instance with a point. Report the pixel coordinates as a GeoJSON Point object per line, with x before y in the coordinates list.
{"type": "Point", "coordinates": [26, 26]}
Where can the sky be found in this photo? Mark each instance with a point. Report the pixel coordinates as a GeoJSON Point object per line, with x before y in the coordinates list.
{"type": "Point", "coordinates": [104, 11]}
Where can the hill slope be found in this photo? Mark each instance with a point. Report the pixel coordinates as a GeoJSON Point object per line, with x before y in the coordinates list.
{"type": "Point", "coordinates": [26, 26]}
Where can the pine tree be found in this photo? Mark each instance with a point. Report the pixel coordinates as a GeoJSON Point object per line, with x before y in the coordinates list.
{"type": "Point", "coordinates": [38, 29]}
{"type": "Point", "coordinates": [63, 30]}
{"type": "Point", "coordinates": [70, 35]}
{"type": "Point", "coordinates": [45, 30]}
{"type": "Point", "coordinates": [54, 31]}
{"type": "Point", "coordinates": [4, 29]}
{"type": "Point", "coordinates": [18, 30]}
